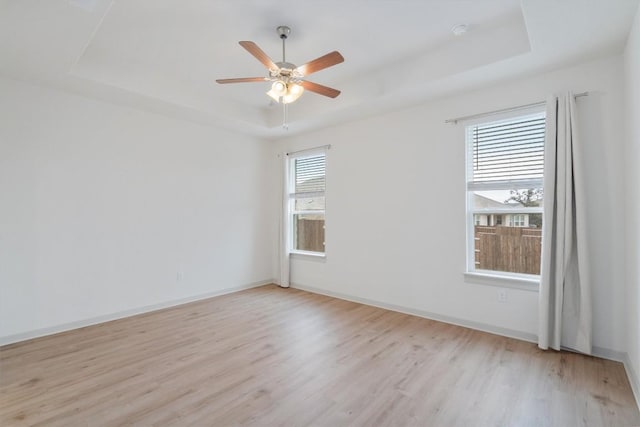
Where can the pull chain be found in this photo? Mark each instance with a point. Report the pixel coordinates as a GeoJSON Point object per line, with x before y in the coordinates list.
{"type": "Point", "coordinates": [285, 125]}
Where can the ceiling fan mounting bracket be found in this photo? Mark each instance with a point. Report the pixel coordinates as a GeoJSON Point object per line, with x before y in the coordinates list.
{"type": "Point", "coordinates": [283, 31]}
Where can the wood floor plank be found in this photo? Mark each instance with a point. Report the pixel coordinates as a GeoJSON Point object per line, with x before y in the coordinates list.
{"type": "Point", "coordinates": [272, 356]}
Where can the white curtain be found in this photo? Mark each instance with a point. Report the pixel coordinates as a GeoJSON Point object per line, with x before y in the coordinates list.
{"type": "Point", "coordinates": [565, 295]}
{"type": "Point", "coordinates": [283, 249]}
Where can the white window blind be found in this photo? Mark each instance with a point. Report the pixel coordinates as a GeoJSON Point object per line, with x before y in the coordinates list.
{"type": "Point", "coordinates": [508, 150]}
{"type": "Point", "coordinates": [309, 174]}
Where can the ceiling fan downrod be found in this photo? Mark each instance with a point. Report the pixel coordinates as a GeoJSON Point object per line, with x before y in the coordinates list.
{"type": "Point", "coordinates": [283, 31]}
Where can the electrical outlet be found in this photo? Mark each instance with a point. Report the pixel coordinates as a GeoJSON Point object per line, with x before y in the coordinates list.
{"type": "Point", "coordinates": [502, 295]}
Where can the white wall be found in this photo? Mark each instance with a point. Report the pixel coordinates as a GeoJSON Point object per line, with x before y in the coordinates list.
{"type": "Point", "coordinates": [632, 202]}
{"type": "Point", "coordinates": [103, 206]}
{"type": "Point", "coordinates": [396, 206]}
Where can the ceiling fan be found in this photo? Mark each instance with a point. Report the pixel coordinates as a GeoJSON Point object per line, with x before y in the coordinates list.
{"type": "Point", "coordinates": [288, 80]}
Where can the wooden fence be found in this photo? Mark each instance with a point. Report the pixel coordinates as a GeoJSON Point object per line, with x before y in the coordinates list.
{"type": "Point", "coordinates": [512, 249]}
{"type": "Point", "coordinates": [310, 235]}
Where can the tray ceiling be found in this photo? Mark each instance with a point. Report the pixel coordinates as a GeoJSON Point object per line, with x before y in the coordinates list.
{"type": "Point", "coordinates": [164, 55]}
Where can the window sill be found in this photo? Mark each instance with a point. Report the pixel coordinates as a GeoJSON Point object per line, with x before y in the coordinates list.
{"type": "Point", "coordinates": [522, 283]}
{"type": "Point", "coordinates": [312, 256]}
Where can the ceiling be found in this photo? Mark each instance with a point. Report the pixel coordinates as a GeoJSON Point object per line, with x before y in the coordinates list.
{"type": "Point", "coordinates": [164, 55]}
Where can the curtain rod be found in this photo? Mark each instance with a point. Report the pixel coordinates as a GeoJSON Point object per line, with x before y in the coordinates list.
{"type": "Point", "coordinates": [309, 149]}
{"type": "Point", "coordinates": [504, 110]}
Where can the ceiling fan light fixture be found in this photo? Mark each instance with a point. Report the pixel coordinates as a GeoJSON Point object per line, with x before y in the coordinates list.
{"type": "Point", "coordinates": [279, 87]}
{"type": "Point", "coordinates": [278, 90]}
{"type": "Point", "coordinates": [294, 91]}
{"type": "Point", "coordinates": [273, 95]}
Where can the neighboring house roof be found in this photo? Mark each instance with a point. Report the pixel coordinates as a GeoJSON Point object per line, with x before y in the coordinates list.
{"type": "Point", "coordinates": [482, 202]}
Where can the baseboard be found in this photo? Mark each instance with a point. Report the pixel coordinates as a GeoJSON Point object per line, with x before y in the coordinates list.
{"type": "Point", "coordinates": [606, 353]}
{"type": "Point", "coordinates": [510, 333]}
{"type": "Point", "coordinates": [11, 339]}
{"type": "Point", "coordinates": [634, 380]}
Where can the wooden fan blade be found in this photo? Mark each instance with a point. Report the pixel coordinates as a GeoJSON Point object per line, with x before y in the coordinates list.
{"type": "Point", "coordinates": [242, 80]}
{"type": "Point", "coordinates": [254, 50]}
{"type": "Point", "coordinates": [319, 89]}
{"type": "Point", "coordinates": [321, 63]}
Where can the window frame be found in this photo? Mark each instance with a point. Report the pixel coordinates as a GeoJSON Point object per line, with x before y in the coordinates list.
{"type": "Point", "coordinates": [496, 277]}
{"type": "Point", "coordinates": [292, 196]}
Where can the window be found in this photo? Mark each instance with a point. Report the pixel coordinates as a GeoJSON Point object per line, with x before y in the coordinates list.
{"type": "Point", "coordinates": [307, 202]}
{"type": "Point", "coordinates": [520, 220]}
{"type": "Point", "coordinates": [505, 160]}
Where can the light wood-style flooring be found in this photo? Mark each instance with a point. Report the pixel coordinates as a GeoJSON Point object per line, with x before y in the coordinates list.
{"type": "Point", "coordinates": [270, 356]}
